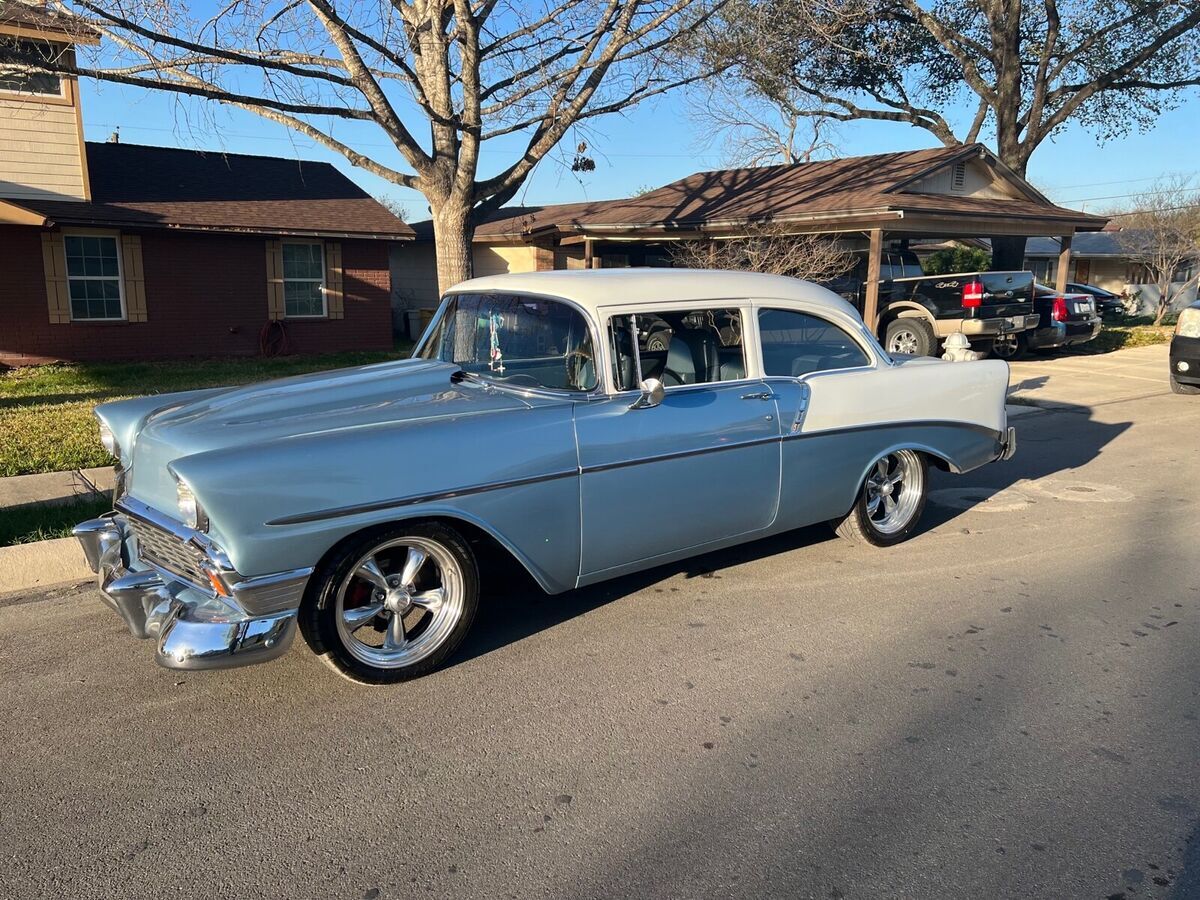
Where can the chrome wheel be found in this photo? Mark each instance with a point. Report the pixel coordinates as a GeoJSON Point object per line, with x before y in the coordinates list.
{"type": "Point", "coordinates": [400, 602]}
{"type": "Point", "coordinates": [1005, 346]}
{"type": "Point", "coordinates": [903, 341]}
{"type": "Point", "coordinates": [894, 488]}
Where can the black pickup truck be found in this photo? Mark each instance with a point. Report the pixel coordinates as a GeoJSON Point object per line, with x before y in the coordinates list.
{"type": "Point", "coordinates": [916, 314]}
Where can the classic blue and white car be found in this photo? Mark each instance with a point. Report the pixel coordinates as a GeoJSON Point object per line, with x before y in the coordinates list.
{"type": "Point", "coordinates": [589, 423]}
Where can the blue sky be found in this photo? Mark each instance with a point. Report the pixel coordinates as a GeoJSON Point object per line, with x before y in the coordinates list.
{"type": "Point", "coordinates": [649, 146]}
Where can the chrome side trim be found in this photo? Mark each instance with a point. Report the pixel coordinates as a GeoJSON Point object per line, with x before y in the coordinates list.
{"type": "Point", "coordinates": [682, 454]}
{"type": "Point", "coordinates": [920, 423]}
{"type": "Point", "coordinates": [417, 499]}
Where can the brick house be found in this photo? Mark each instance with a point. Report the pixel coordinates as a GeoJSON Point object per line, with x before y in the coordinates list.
{"type": "Point", "coordinates": [118, 251]}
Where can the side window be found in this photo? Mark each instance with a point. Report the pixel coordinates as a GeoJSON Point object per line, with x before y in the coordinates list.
{"type": "Point", "coordinates": [795, 344]}
{"type": "Point", "coordinates": [678, 348]}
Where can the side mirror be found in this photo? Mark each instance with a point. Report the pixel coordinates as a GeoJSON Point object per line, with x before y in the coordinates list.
{"type": "Point", "coordinates": [652, 394]}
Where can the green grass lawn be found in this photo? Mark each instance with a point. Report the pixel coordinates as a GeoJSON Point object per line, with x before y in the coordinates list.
{"type": "Point", "coordinates": [46, 422]}
{"type": "Point", "coordinates": [43, 521]}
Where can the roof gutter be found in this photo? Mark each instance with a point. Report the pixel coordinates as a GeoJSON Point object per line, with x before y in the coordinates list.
{"type": "Point", "coordinates": [224, 229]}
{"type": "Point", "coordinates": [736, 223]}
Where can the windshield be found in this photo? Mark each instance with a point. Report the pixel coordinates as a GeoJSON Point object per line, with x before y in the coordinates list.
{"type": "Point", "coordinates": [515, 340]}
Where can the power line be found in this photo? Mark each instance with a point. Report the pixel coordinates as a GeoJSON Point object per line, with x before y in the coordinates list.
{"type": "Point", "coordinates": [307, 144]}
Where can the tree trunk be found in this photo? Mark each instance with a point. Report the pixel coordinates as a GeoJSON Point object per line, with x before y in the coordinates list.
{"type": "Point", "coordinates": [452, 234]}
{"type": "Point", "coordinates": [1008, 253]}
{"type": "Point", "coordinates": [1164, 301]}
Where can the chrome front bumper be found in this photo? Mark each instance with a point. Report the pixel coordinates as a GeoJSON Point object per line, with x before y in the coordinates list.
{"type": "Point", "coordinates": [195, 628]}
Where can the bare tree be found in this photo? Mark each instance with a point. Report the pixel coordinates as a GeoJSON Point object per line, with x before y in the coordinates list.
{"type": "Point", "coordinates": [439, 78]}
{"type": "Point", "coordinates": [1021, 69]}
{"type": "Point", "coordinates": [1162, 234]}
{"type": "Point", "coordinates": [770, 249]}
{"type": "Point", "coordinates": [757, 130]}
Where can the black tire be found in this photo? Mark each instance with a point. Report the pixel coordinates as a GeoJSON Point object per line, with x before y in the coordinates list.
{"type": "Point", "coordinates": [658, 341]}
{"type": "Point", "coordinates": [910, 336]}
{"type": "Point", "coordinates": [1009, 346]}
{"type": "Point", "coordinates": [860, 524]}
{"type": "Point", "coordinates": [449, 561]}
{"type": "Point", "coordinates": [1179, 388]}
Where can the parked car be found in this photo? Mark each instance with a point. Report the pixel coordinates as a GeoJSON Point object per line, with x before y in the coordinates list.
{"type": "Point", "coordinates": [1185, 352]}
{"type": "Point", "coordinates": [1108, 305]}
{"type": "Point", "coordinates": [532, 419]}
{"type": "Point", "coordinates": [1064, 320]}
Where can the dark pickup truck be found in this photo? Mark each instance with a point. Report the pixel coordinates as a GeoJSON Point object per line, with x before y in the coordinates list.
{"type": "Point", "coordinates": [916, 314]}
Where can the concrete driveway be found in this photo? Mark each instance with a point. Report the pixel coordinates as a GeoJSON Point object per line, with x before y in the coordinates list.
{"type": "Point", "coordinates": [1006, 706]}
{"type": "Point", "coordinates": [1067, 380]}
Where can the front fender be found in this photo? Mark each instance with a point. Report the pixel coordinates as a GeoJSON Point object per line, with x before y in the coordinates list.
{"type": "Point", "coordinates": [127, 417]}
{"type": "Point", "coordinates": [282, 504]}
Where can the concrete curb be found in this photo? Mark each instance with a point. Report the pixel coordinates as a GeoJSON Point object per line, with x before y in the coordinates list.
{"type": "Point", "coordinates": [55, 488]}
{"type": "Point", "coordinates": [27, 566]}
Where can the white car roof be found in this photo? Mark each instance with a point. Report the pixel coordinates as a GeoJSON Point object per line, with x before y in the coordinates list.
{"type": "Point", "coordinates": [596, 288]}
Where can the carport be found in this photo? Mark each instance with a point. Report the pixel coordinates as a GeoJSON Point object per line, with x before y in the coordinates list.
{"type": "Point", "coordinates": [944, 193]}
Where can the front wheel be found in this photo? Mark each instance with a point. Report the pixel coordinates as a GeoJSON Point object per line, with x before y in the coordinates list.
{"type": "Point", "coordinates": [392, 605]}
{"type": "Point", "coordinates": [890, 503]}
{"type": "Point", "coordinates": [1178, 387]}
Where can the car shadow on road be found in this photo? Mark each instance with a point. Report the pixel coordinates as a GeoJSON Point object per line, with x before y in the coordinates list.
{"type": "Point", "coordinates": [1049, 442]}
{"type": "Point", "coordinates": [515, 607]}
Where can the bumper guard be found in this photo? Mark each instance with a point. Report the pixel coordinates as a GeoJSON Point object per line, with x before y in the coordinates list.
{"type": "Point", "coordinates": [195, 629]}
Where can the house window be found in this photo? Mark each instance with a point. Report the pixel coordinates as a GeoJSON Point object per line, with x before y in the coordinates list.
{"type": "Point", "coordinates": [303, 280]}
{"type": "Point", "coordinates": [94, 277]}
{"type": "Point", "coordinates": [15, 78]}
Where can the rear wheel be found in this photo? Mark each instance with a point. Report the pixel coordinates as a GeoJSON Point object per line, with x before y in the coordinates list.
{"type": "Point", "coordinates": [891, 501]}
{"type": "Point", "coordinates": [1178, 387]}
{"type": "Point", "coordinates": [911, 337]}
{"type": "Point", "coordinates": [1013, 345]}
{"type": "Point", "coordinates": [394, 604]}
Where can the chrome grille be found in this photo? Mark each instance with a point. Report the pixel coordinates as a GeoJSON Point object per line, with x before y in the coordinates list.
{"type": "Point", "coordinates": [159, 547]}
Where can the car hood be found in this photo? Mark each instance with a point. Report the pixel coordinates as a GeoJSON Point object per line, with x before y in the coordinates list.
{"type": "Point", "coordinates": [364, 397]}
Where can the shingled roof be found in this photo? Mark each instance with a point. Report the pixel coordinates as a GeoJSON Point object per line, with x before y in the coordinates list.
{"type": "Point", "coordinates": [165, 187]}
{"type": "Point", "coordinates": [814, 191]}
{"type": "Point", "coordinates": [35, 19]}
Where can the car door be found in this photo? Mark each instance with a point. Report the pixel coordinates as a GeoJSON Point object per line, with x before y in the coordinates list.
{"type": "Point", "coordinates": [802, 353]}
{"type": "Point", "coordinates": [699, 468]}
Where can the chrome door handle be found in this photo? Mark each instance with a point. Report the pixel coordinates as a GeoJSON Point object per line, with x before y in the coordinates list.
{"type": "Point", "coordinates": [761, 395]}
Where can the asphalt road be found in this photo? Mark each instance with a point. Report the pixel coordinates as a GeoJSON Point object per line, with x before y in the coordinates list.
{"type": "Point", "coordinates": [1006, 706]}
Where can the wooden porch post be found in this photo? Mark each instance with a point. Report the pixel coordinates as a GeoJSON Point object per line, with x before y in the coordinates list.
{"type": "Point", "coordinates": [870, 311]}
{"type": "Point", "coordinates": [587, 253]}
{"type": "Point", "coordinates": [1064, 264]}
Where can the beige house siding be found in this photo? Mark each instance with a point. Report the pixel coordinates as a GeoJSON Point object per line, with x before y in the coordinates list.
{"type": "Point", "coordinates": [40, 150]}
{"type": "Point", "coordinates": [1109, 274]}
{"type": "Point", "coordinates": [973, 179]}
{"type": "Point", "coordinates": [501, 259]}
{"type": "Point", "coordinates": [414, 271]}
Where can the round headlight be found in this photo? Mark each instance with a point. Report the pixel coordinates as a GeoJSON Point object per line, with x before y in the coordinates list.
{"type": "Point", "coordinates": [108, 439]}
